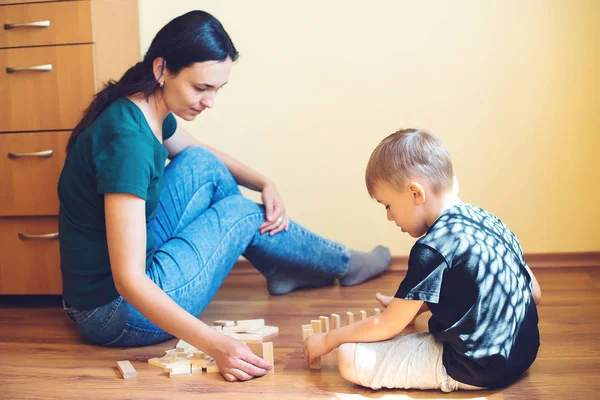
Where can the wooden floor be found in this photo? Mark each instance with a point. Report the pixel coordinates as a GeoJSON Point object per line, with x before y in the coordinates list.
{"type": "Point", "coordinates": [41, 355]}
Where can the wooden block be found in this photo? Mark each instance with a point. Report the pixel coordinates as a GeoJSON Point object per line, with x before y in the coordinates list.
{"type": "Point", "coordinates": [212, 368]}
{"type": "Point", "coordinates": [350, 316]}
{"type": "Point", "coordinates": [201, 363]}
{"type": "Point", "coordinates": [363, 315]}
{"type": "Point", "coordinates": [306, 333]}
{"type": "Point", "coordinates": [264, 331]}
{"type": "Point", "coordinates": [251, 323]}
{"type": "Point", "coordinates": [223, 322]}
{"type": "Point", "coordinates": [197, 370]}
{"type": "Point", "coordinates": [156, 362]}
{"type": "Point", "coordinates": [316, 325]}
{"type": "Point", "coordinates": [236, 329]}
{"type": "Point", "coordinates": [316, 364]}
{"type": "Point", "coordinates": [182, 346]}
{"type": "Point", "coordinates": [309, 326]}
{"type": "Point", "coordinates": [267, 355]}
{"type": "Point", "coordinates": [248, 338]}
{"type": "Point", "coordinates": [126, 369]}
{"type": "Point", "coordinates": [335, 321]}
{"type": "Point", "coordinates": [179, 374]}
{"type": "Point", "coordinates": [324, 324]}
{"type": "Point", "coordinates": [168, 359]}
{"type": "Point", "coordinates": [256, 348]}
{"type": "Point", "coordinates": [377, 310]}
{"type": "Point", "coordinates": [179, 367]}
{"type": "Point", "coordinates": [171, 352]}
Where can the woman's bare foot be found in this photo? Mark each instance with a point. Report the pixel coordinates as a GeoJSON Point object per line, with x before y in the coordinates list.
{"type": "Point", "coordinates": [383, 299]}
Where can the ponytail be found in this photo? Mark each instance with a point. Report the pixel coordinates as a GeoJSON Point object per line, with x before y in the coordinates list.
{"type": "Point", "coordinates": [138, 78]}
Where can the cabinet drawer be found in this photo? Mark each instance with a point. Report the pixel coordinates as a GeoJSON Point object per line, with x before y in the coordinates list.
{"type": "Point", "coordinates": [3, 2]}
{"type": "Point", "coordinates": [50, 99]}
{"type": "Point", "coordinates": [44, 24]}
{"type": "Point", "coordinates": [29, 264]}
{"type": "Point", "coordinates": [30, 164]}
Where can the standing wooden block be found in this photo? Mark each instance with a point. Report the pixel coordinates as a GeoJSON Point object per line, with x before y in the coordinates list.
{"type": "Point", "coordinates": [324, 323]}
{"type": "Point", "coordinates": [350, 316]}
{"type": "Point", "coordinates": [306, 333]}
{"type": "Point", "coordinates": [267, 355]}
{"type": "Point", "coordinates": [316, 325]}
{"type": "Point", "coordinates": [377, 310]}
{"type": "Point", "coordinates": [363, 315]}
{"type": "Point", "coordinates": [256, 348]}
{"type": "Point", "coordinates": [335, 321]}
{"type": "Point", "coordinates": [316, 364]}
{"type": "Point", "coordinates": [126, 369]}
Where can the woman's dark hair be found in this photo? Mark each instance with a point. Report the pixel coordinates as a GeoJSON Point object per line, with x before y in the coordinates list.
{"type": "Point", "coordinates": [193, 37]}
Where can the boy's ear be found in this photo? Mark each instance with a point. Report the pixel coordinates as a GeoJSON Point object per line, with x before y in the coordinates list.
{"type": "Point", "coordinates": [417, 192]}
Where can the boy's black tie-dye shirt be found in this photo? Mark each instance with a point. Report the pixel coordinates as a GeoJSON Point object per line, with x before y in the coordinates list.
{"type": "Point", "coordinates": [469, 269]}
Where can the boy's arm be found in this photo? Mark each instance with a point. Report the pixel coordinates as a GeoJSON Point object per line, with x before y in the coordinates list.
{"type": "Point", "coordinates": [376, 328]}
{"type": "Point", "coordinates": [536, 291]}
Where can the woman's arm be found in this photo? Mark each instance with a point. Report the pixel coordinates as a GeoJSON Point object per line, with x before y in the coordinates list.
{"type": "Point", "coordinates": [126, 237]}
{"type": "Point", "coordinates": [243, 174]}
{"type": "Point", "coordinates": [376, 328]}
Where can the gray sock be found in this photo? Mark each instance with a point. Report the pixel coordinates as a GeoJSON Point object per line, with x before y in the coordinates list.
{"type": "Point", "coordinates": [364, 266]}
{"type": "Point", "coordinates": [285, 280]}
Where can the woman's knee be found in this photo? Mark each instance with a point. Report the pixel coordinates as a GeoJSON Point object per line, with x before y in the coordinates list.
{"type": "Point", "coordinates": [239, 205]}
{"type": "Point", "coordinates": [205, 166]}
{"type": "Point", "coordinates": [346, 362]}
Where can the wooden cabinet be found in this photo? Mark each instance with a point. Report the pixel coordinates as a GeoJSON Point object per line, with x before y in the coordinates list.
{"type": "Point", "coordinates": [54, 55]}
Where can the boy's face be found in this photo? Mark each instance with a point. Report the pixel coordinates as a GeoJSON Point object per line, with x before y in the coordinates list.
{"type": "Point", "coordinates": [404, 207]}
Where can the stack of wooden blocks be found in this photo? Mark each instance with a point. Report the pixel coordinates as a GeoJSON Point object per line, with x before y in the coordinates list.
{"type": "Point", "coordinates": [185, 360]}
{"type": "Point", "coordinates": [321, 325]}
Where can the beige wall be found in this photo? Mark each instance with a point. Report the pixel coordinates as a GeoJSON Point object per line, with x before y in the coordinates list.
{"type": "Point", "coordinates": [512, 88]}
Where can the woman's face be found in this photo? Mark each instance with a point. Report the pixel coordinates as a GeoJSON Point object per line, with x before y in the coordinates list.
{"type": "Point", "coordinates": [194, 88]}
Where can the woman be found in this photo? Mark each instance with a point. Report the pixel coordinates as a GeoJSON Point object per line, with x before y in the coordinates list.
{"type": "Point", "coordinates": [117, 199]}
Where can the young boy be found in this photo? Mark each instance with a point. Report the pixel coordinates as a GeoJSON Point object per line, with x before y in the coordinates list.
{"type": "Point", "coordinates": [467, 268]}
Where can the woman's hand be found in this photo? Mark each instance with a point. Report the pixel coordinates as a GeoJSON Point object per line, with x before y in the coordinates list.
{"type": "Point", "coordinates": [237, 362]}
{"type": "Point", "coordinates": [277, 219]}
{"type": "Point", "coordinates": [316, 346]}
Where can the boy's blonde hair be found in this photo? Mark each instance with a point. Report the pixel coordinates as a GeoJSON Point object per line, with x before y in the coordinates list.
{"type": "Point", "coordinates": [409, 153]}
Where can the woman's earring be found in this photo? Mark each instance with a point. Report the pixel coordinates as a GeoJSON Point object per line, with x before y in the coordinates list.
{"type": "Point", "coordinates": [161, 83]}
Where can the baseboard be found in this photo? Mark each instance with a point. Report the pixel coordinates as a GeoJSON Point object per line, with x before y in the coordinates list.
{"type": "Point", "coordinates": [535, 260]}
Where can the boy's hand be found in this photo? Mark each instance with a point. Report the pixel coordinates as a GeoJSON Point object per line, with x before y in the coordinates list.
{"type": "Point", "coordinates": [316, 346]}
{"type": "Point", "coordinates": [384, 300]}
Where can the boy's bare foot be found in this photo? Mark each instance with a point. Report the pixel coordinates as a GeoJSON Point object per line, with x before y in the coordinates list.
{"type": "Point", "coordinates": [383, 299]}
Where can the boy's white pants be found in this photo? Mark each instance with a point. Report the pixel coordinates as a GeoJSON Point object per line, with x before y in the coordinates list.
{"type": "Point", "coordinates": [405, 362]}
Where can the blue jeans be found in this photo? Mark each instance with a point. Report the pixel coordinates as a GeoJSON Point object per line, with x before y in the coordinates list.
{"type": "Point", "coordinates": [202, 225]}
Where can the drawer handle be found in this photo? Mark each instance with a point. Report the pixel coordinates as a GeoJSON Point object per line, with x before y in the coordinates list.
{"type": "Point", "coordinates": [37, 24]}
{"type": "Point", "coordinates": [44, 154]}
{"type": "Point", "coordinates": [49, 236]}
{"type": "Point", "coordinates": [45, 68]}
